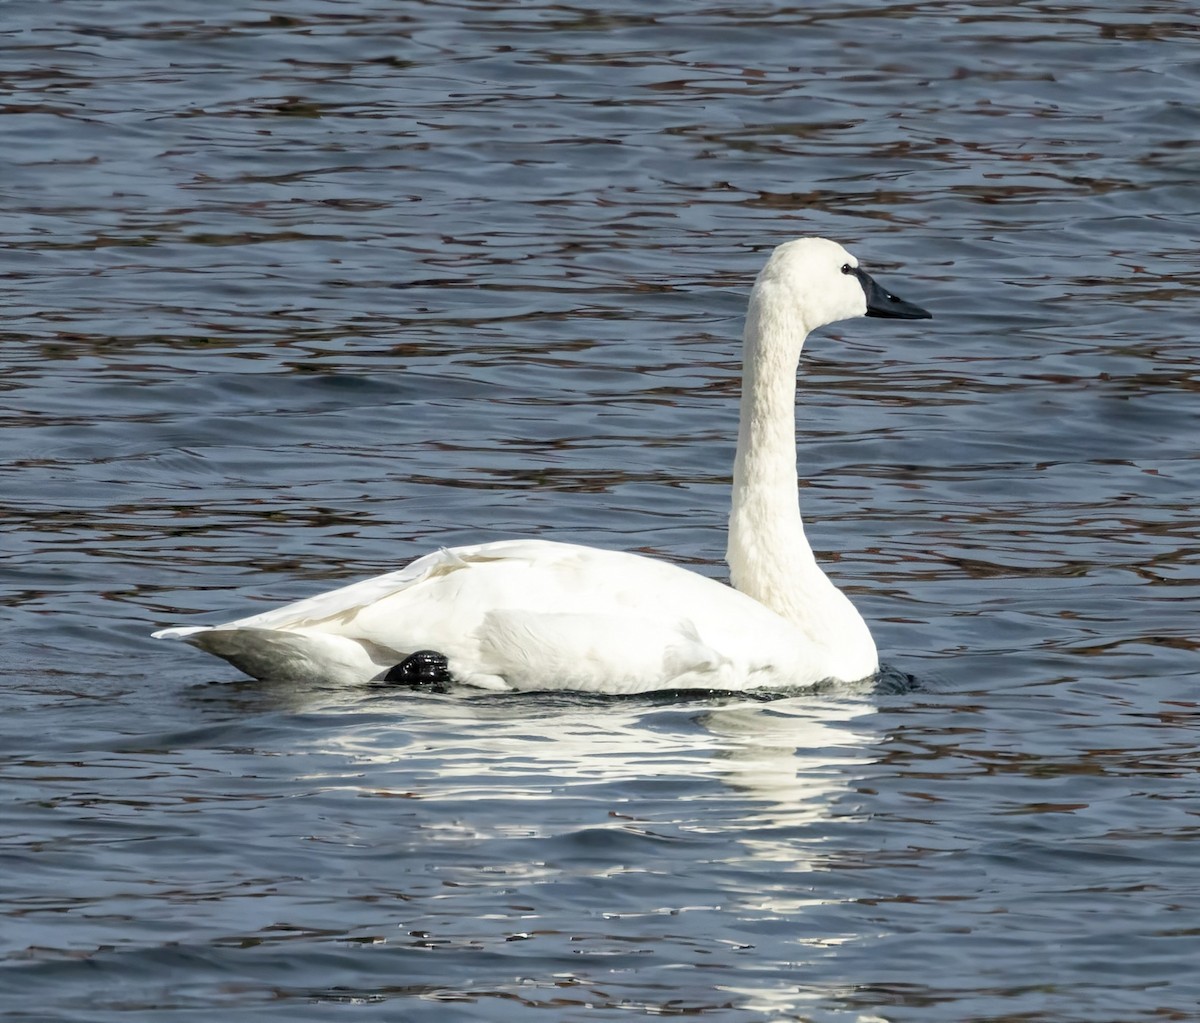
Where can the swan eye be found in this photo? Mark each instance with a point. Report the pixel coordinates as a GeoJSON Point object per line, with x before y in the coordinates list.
{"type": "Point", "coordinates": [847, 268]}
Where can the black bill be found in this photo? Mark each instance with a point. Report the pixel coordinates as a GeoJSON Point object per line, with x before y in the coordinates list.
{"type": "Point", "coordinates": [881, 302]}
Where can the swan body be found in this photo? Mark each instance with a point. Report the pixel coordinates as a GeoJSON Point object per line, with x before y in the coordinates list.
{"type": "Point", "coordinates": [541, 615]}
{"type": "Point", "coordinates": [537, 615]}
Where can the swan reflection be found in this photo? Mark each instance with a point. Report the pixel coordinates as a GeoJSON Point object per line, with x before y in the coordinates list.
{"type": "Point", "coordinates": [759, 771]}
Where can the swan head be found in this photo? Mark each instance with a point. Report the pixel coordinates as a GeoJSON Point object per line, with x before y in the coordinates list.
{"type": "Point", "coordinates": [814, 281]}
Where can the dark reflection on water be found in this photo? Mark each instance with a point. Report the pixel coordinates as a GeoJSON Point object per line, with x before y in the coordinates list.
{"type": "Point", "coordinates": [294, 295]}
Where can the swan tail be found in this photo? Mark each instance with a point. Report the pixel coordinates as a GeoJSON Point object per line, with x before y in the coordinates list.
{"type": "Point", "coordinates": [278, 656]}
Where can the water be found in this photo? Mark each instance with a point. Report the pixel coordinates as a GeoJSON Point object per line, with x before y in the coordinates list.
{"type": "Point", "coordinates": [295, 293]}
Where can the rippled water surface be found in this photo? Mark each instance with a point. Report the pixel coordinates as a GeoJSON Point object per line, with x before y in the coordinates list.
{"type": "Point", "coordinates": [295, 292]}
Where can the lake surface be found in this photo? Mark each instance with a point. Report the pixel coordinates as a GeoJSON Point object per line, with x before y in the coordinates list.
{"type": "Point", "coordinates": [294, 293]}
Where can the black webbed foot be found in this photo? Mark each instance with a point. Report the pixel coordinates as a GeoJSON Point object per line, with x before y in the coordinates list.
{"type": "Point", "coordinates": [425, 669]}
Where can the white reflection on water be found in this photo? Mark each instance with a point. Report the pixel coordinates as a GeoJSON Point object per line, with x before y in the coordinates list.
{"type": "Point", "coordinates": [758, 772]}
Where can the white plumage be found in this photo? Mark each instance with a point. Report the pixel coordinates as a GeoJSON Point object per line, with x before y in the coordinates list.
{"type": "Point", "coordinates": [538, 615]}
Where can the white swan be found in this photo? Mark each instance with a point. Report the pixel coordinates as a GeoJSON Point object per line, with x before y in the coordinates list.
{"type": "Point", "coordinates": [538, 615]}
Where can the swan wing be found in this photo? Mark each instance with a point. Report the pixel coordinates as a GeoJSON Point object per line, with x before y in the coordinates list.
{"type": "Point", "coordinates": [526, 614]}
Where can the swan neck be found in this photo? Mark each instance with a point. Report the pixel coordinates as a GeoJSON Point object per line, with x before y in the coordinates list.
{"type": "Point", "coordinates": [766, 449]}
{"type": "Point", "coordinates": [769, 555]}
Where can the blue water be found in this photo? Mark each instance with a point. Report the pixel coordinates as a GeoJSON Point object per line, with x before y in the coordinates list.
{"type": "Point", "coordinates": [296, 293]}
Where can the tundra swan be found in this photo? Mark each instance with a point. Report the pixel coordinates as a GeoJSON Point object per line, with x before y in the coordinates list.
{"type": "Point", "coordinates": [540, 615]}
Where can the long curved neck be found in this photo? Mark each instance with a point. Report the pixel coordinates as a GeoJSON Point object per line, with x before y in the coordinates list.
{"type": "Point", "coordinates": [768, 551]}
{"type": "Point", "coordinates": [769, 556]}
